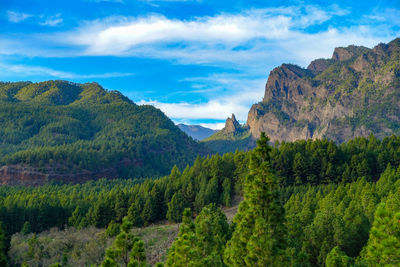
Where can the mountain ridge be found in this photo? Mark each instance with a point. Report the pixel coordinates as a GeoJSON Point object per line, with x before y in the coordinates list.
{"type": "Point", "coordinates": [197, 132]}
{"type": "Point", "coordinates": [58, 130]}
{"type": "Point", "coordinates": [354, 93]}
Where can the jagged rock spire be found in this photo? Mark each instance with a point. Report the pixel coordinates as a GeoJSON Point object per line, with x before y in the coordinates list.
{"type": "Point", "coordinates": [231, 124]}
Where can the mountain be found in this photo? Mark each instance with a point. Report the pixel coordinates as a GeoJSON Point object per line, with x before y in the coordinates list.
{"type": "Point", "coordinates": [233, 136]}
{"type": "Point", "coordinates": [354, 93]}
{"type": "Point", "coordinates": [197, 132]}
{"type": "Point", "coordinates": [58, 130]}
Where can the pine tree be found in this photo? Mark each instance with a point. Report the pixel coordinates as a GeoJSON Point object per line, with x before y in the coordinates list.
{"type": "Point", "coordinates": [212, 233]}
{"type": "Point", "coordinates": [176, 207]}
{"type": "Point", "coordinates": [299, 168]}
{"type": "Point", "coordinates": [137, 255]}
{"type": "Point", "coordinates": [122, 245]}
{"type": "Point", "coordinates": [337, 258]}
{"type": "Point", "coordinates": [182, 250]}
{"type": "Point", "coordinates": [200, 243]}
{"type": "Point", "coordinates": [383, 248]}
{"type": "Point", "coordinates": [112, 229]}
{"type": "Point", "coordinates": [259, 238]}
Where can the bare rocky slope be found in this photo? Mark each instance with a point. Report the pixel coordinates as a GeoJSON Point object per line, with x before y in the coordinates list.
{"type": "Point", "coordinates": [354, 93]}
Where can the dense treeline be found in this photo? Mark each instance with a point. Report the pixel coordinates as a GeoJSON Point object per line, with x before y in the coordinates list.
{"type": "Point", "coordinates": [354, 224]}
{"type": "Point", "coordinates": [330, 208]}
{"type": "Point", "coordinates": [322, 161]}
{"type": "Point", "coordinates": [60, 127]}
{"type": "Point", "coordinates": [97, 203]}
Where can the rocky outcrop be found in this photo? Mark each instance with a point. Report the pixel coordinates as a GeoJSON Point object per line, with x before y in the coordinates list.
{"type": "Point", "coordinates": [231, 125]}
{"type": "Point", "coordinates": [319, 65]}
{"type": "Point", "coordinates": [354, 93]}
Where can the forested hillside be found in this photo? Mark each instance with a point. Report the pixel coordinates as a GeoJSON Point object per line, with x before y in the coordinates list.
{"type": "Point", "coordinates": [57, 130]}
{"type": "Point", "coordinates": [306, 203]}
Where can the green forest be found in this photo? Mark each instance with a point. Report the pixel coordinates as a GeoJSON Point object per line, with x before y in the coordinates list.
{"type": "Point", "coordinates": [303, 203]}
{"type": "Point", "coordinates": [61, 129]}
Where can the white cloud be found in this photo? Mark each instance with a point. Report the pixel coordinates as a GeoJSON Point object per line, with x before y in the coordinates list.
{"type": "Point", "coordinates": [26, 71]}
{"type": "Point", "coordinates": [242, 93]}
{"type": "Point", "coordinates": [52, 20]}
{"type": "Point", "coordinates": [16, 17]}
{"type": "Point", "coordinates": [248, 40]}
{"type": "Point", "coordinates": [43, 20]}
{"type": "Point", "coordinates": [214, 126]}
{"type": "Point", "coordinates": [126, 34]}
{"type": "Point", "coordinates": [253, 40]}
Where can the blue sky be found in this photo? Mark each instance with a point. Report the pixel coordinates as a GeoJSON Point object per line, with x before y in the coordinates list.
{"type": "Point", "coordinates": [198, 61]}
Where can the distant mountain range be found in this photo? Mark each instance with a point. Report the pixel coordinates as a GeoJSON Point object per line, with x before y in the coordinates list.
{"type": "Point", "coordinates": [197, 132]}
{"type": "Point", "coordinates": [57, 130]}
{"type": "Point", "coordinates": [354, 93]}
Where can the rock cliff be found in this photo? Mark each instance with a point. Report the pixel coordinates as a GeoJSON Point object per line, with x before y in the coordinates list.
{"type": "Point", "coordinates": [355, 93]}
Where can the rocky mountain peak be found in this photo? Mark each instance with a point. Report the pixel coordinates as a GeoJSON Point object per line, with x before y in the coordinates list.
{"type": "Point", "coordinates": [352, 94]}
{"type": "Point", "coordinates": [231, 125]}
{"type": "Point", "coordinates": [282, 82]}
{"type": "Point", "coordinates": [346, 53]}
{"type": "Point", "coordinates": [319, 65]}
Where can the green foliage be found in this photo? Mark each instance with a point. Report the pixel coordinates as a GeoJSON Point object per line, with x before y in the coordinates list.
{"type": "Point", "coordinates": [337, 258]}
{"type": "Point", "coordinates": [98, 203]}
{"type": "Point", "coordinates": [60, 128]}
{"type": "Point", "coordinates": [259, 238]}
{"type": "Point", "coordinates": [113, 229]}
{"type": "Point", "coordinates": [322, 161]}
{"type": "Point", "coordinates": [176, 207]}
{"type": "Point", "coordinates": [137, 255]}
{"type": "Point", "coordinates": [127, 249]}
{"type": "Point", "coordinates": [223, 142]}
{"type": "Point", "coordinates": [332, 204]}
{"type": "Point", "coordinates": [384, 241]}
{"type": "Point", "coordinates": [182, 251]}
{"type": "Point", "coordinates": [69, 247]}
{"type": "Point", "coordinates": [200, 243]}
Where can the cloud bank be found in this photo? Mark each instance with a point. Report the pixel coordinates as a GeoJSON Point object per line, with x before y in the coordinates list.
{"type": "Point", "coordinates": [247, 43]}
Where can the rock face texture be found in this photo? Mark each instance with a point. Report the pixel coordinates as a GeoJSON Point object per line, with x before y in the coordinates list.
{"type": "Point", "coordinates": [355, 93]}
{"type": "Point", "coordinates": [231, 125]}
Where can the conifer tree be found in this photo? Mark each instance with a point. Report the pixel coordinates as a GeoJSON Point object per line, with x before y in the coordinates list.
{"type": "Point", "coordinates": [212, 233]}
{"type": "Point", "coordinates": [137, 255]}
{"type": "Point", "coordinates": [123, 243]}
{"type": "Point", "coordinates": [383, 247]}
{"type": "Point", "coordinates": [182, 250]}
{"type": "Point", "coordinates": [259, 236]}
{"type": "Point", "coordinates": [200, 243]}
{"type": "Point", "coordinates": [337, 258]}
{"type": "Point", "coordinates": [176, 207]}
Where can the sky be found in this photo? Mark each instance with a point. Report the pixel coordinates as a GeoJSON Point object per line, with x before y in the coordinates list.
{"type": "Point", "coordinates": [199, 61]}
